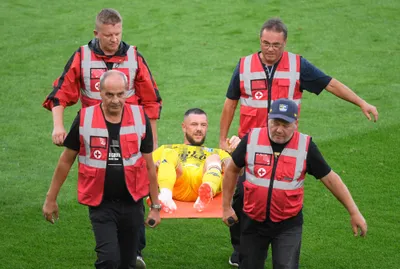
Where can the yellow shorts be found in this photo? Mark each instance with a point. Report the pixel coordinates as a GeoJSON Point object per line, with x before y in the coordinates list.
{"type": "Point", "coordinates": [187, 185]}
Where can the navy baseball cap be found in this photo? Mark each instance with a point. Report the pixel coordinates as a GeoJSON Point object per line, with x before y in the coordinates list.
{"type": "Point", "coordinates": [283, 109]}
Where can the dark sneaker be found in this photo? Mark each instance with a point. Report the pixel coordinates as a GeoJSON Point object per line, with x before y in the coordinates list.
{"type": "Point", "coordinates": [234, 259]}
{"type": "Point", "coordinates": [140, 264]}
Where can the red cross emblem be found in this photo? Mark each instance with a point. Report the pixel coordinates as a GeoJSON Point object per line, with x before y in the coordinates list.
{"type": "Point", "coordinates": [97, 154]}
{"type": "Point", "coordinates": [261, 172]}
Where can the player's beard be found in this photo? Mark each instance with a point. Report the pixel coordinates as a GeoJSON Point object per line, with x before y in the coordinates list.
{"type": "Point", "coordinates": [193, 142]}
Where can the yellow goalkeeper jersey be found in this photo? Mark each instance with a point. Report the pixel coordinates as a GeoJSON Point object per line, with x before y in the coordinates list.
{"type": "Point", "coordinates": [191, 155]}
{"type": "Point", "coordinates": [192, 159]}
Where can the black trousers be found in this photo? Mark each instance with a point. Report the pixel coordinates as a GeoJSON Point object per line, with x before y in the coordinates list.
{"type": "Point", "coordinates": [116, 227]}
{"type": "Point", "coordinates": [237, 205]}
{"type": "Point", "coordinates": [142, 235]}
{"type": "Point", "coordinates": [285, 246]}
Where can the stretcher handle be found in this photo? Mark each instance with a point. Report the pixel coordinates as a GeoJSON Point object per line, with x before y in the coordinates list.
{"type": "Point", "coordinates": [231, 221]}
{"type": "Point", "coordinates": [151, 222]}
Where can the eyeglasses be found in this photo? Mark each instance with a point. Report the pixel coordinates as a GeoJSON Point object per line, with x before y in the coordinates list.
{"type": "Point", "coordinates": [275, 46]}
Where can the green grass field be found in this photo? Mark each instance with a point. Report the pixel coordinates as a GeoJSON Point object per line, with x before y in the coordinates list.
{"type": "Point", "coordinates": [192, 48]}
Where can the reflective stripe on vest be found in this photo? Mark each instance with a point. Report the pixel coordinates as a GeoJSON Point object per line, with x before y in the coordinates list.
{"type": "Point", "coordinates": [247, 76]}
{"type": "Point", "coordinates": [260, 103]}
{"type": "Point", "coordinates": [87, 131]}
{"type": "Point", "coordinates": [87, 63]}
{"type": "Point", "coordinates": [300, 154]}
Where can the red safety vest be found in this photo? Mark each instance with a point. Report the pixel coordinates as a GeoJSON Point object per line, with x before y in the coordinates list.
{"type": "Point", "coordinates": [93, 153]}
{"type": "Point", "coordinates": [290, 169]}
{"type": "Point", "coordinates": [93, 66]}
{"type": "Point", "coordinates": [254, 88]}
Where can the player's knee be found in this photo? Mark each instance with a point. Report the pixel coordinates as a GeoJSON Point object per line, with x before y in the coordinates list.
{"type": "Point", "coordinates": [213, 158]}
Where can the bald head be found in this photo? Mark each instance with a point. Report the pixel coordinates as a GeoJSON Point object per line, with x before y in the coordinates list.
{"type": "Point", "coordinates": [113, 88]}
{"type": "Point", "coordinates": [113, 75]}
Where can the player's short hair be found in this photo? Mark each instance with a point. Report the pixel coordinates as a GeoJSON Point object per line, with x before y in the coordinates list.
{"type": "Point", "coordinates": [275, 25]}
{"type": "Point", "coordinates": [108, 16]}
{"type": "Point", "coordinates": [105, 75]}
{"type": "Point", "coordinates": [196, 111]}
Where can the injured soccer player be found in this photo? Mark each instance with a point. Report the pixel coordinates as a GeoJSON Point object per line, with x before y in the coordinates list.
{"type": "Point", "coordinates": [191, 172]}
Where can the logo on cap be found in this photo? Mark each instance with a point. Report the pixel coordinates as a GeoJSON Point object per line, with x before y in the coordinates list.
{"type": "Point", "coordinates": [283, 107]}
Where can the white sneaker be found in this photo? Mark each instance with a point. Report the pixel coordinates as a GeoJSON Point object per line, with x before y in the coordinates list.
{"type": "Point", "coordinates": [140, 264]}
{"type": "Point", "coordinates": [167, 203]}
{"type": "Point", "coordinates": [205, 197]}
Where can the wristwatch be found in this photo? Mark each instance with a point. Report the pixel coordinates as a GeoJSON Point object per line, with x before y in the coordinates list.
{"type": "Point", "coordinates": [156, 206]}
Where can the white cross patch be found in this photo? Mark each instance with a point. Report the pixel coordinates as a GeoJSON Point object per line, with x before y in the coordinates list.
{"type": "Point", "coordinates": [97, 154]}
{"type": "Point", "coordinates": [261, 172]}
{"type": "Point", "coordinates": [259, 95]}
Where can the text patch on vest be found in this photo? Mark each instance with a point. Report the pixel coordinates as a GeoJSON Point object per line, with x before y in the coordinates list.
{"type": "Point", "coordinates": [258, 84]}
{"type": "Point", "coordinates": [95, 74]}
{"type": "Point", "coordinates": [98, 142]}
{"type": "Point", "coordinates": [262, 158]}
{"type": "Point", "coordinates": [259, 89]}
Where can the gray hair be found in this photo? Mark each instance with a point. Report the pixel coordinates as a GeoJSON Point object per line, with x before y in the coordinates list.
{"type": "Point", "coordinates": [275, 25]}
